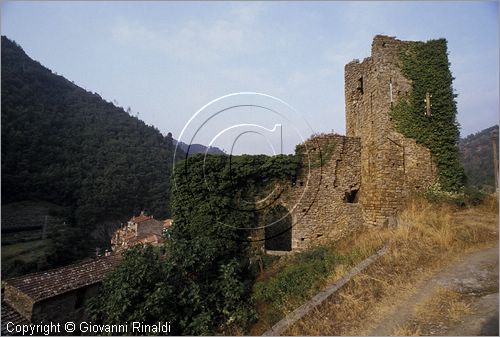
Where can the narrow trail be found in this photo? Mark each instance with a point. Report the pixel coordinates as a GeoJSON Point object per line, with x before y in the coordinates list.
{"type": "Point", "coordinates": [476, 276]}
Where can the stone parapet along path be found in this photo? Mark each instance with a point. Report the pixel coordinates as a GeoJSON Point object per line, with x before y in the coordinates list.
{"type": "Point", "coordinates": [319, 298]}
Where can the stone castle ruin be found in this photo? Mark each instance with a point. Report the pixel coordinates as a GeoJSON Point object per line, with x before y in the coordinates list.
{"type": "Point", "coordinates": [364, 177]}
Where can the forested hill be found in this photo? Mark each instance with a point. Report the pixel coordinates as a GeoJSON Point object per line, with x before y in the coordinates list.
{"type": "Point", "coordinates": [63, 144]}
{"type": "Point", "coordinates": [476, 152]}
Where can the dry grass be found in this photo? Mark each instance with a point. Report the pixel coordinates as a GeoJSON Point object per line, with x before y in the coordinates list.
{"type": "Point", "coordinates": [427, 237]}
{"type": "Point", "coordinates": [445, 306]}
{"type": "Point", "coordinates": [407, 331]}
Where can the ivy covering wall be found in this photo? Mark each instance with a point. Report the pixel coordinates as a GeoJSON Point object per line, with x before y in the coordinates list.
{"type": "Point", "coordinates": [203, 285]}
{"type": "Point", "coordinates": [426, 65]}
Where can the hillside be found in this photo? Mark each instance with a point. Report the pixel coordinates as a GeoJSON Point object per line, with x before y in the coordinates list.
{"type": "Point", "coordinates": [198, 148]}
{"type": "Point", "coordinates": [476, 154]}
{"type": "Point", "coordinates": [67, 146]}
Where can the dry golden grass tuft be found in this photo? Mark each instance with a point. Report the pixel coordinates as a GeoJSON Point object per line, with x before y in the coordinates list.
{"type": "Point", "coordinates": [444, 306]}
{"type": "Point", "coordinates": [427, 237]}
{"type": "Point", "coordinates": [407, 331]}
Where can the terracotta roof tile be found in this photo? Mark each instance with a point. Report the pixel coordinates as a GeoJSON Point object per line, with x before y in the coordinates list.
{"type": "Point", "coordinates": [42, 285]}
{"type": "Point", "coordinates": [141, 217]}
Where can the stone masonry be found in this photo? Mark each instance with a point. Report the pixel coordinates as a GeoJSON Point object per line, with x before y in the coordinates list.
{"type": "Point", "coordinates": [392, 166]}
{"type": "Point", "coordinates": [365, 176]}
{"type": "Point", "coordinates": [324, 200]}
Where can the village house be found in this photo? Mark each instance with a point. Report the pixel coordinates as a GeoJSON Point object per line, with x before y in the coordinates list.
{"type": "Point", "coordinates": [56, 295]}
{"type": "Point", "coordinates": [141, 229]}
{"type": "Point", "coordinates": [60, 295]}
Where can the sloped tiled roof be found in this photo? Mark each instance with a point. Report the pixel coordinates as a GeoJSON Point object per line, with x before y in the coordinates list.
{"type": "Point", "coordinates": [42, 285]}
{"type": "Point", "coordinates": [150, 238]}
{"type": "Point", "coordinates": [141, 217]}
{"type": "Point", "coordinates": [10, 315]}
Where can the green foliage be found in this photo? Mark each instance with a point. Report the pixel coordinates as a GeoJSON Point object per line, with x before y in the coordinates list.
{"type": "Point", "coordinates": [469, 196]}
{"type": "Point", "coordinates": [476, 154]}
{"type": "Point", "coordinates": [301, 278]}
{"type": "Point", "coordinates": [426, 65]}
{"type": "Point", "coordinates": [63, 144]}
{"type": "Point", "coordinates": [137, 290]}
{"type": "Point", "coordinates": [206, 277]}
{"type": "Point", "coordinates": [474, 196]}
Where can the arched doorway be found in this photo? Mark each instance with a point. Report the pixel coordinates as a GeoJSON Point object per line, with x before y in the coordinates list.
{"type": "Point", "coordinates": [278, 230]}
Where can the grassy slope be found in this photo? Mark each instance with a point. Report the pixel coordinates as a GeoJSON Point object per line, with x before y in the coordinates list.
{"type": "Point", "coordinates": [26, 245]}
{"type": "Point", "coordinates": [429, 235]}
{"type": "Point", "coordinates": [26, 251]}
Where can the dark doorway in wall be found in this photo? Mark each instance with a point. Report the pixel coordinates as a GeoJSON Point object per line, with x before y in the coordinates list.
{"type": "Point", "coordinates": [278, 230]}
{"type": "Point", "coordinates": [351, 197]}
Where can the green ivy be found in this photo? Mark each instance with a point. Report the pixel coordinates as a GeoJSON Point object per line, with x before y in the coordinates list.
{"type": "Point", "coordinates": [202, 283]}
{"type": "Point", "coordinates": [426, 65]}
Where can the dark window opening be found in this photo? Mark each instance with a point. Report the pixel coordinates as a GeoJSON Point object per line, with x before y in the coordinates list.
{"type": "Point", "coordinates": [302, 239]}
{"type": "Point", "coordinates": [360, 85]}
{"type": "Point", "coordinates": [301, 183]}
{"type": "Point", "coordinates": [351, 197]}
{"type": "Point", "coordinates": [319, 235]}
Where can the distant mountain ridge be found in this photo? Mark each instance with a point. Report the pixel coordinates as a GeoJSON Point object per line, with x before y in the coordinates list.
{"type": "Point", "coordinates": [198, 148]}
{"type": "Point", "coordinates": [476, 154]}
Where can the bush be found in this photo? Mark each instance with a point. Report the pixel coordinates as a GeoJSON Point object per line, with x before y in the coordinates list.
{"type": "Point", "coordinates": [468, 196]}
{"type": "Point", "coordinates": [474, 196]}
{"type": "Point", "coordinates": [203, 284]}
{"type": "Point", "coordinates": [301, 278]}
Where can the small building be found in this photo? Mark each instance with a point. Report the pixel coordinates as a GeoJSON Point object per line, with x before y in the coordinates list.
{"type": "Point", "coordinates": [56, 295]}
{"type": "Point", "coordinates": [140, 229]}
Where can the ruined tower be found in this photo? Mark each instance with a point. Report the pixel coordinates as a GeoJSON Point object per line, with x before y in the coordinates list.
{"type": "Point", "coordinates": [365, 176]}
{"type": "Point", "coordinates": [392, 166]}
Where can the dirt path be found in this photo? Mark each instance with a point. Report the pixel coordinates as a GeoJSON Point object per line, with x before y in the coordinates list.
{"type": "Point", "coordinates": [475, 277]}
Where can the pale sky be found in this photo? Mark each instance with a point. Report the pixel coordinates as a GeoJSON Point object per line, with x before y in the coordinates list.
{"type": "Point", "coordinates": [168, 59]}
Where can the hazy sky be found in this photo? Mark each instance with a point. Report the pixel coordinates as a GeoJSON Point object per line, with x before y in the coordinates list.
{"type": "Point", "coordinates": [168, 59]}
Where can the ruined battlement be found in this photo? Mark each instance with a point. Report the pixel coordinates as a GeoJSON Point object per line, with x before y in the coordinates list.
{"type": "Point", "coordinates": [372, 87]}
{"type": "Point", "coordinates": [323, 202]}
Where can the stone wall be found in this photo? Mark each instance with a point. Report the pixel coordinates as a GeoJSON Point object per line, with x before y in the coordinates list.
{"type": "Point", "coordinates": [151, 226]}
{"type": "Point", "coordinates": [19, 301]}
{"type": "Point", "coordinates": [392, 166]}
{"type": "Point", "coordinates": [323, 201]}
{"type": "Point", "coordinates": [66, 307]}
{"type": "Point", "coordinates": [69, 306]}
